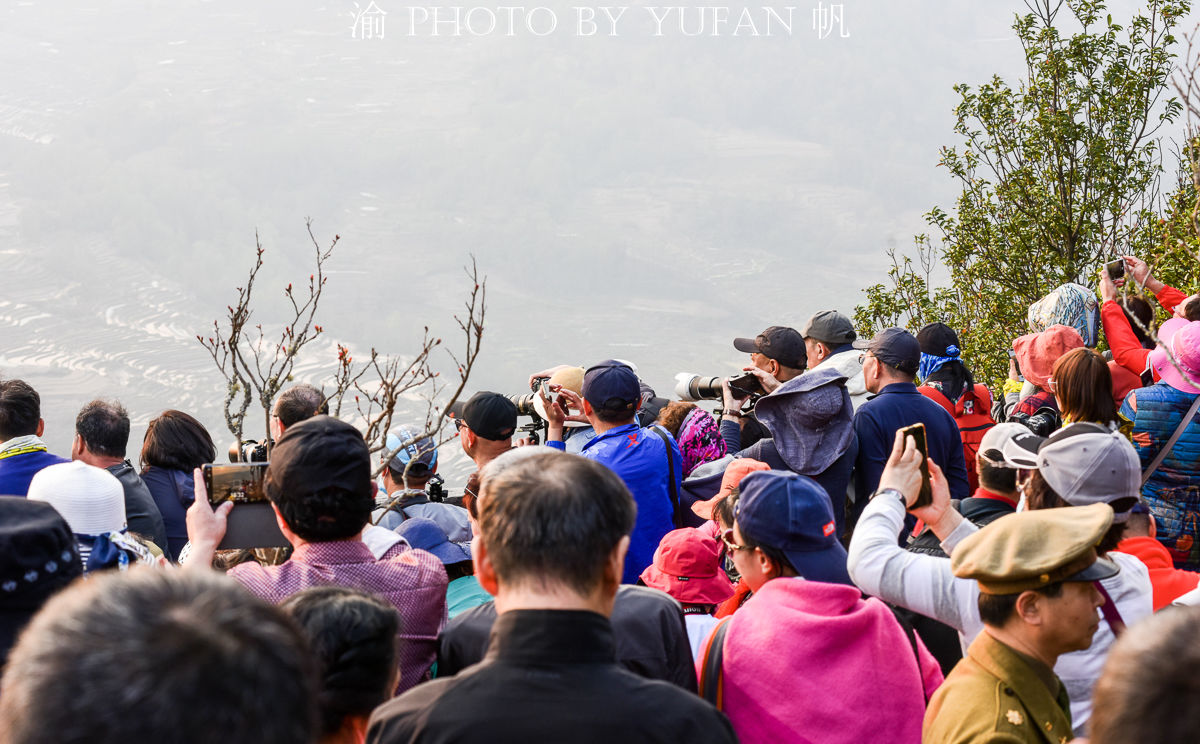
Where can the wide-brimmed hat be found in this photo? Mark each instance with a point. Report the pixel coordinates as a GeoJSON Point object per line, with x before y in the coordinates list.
{"type": "Point", "coordinates": [425, 534]}
{"type": "Point", "coordinates": [1182, 337]}
{"type": "Point", "coordinates": [734, 473]}
{"type": "Point", "coordinates": [687, 565]}
{"type": "Point", "coordinates": [91, 499]}
{"type": "Point", "coordinates": [1037, 352]}
{"type": "Point", "coordinates": [793, 514]}
{"type": "Point", "coordinates": [810, 418]}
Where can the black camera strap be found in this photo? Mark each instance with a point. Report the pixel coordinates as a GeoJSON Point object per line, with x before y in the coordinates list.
{"type": "Point", "coordinates": [672, 486]}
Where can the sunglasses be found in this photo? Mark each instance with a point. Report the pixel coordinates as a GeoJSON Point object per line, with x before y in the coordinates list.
{"type": "Point", "coordinates": [727, 538]}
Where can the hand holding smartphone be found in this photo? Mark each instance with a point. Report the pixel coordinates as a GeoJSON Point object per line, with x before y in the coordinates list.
{"type": "Point", "coordinates": [917, 432]}
{"type": "Point", "coordinates": [252, 523]}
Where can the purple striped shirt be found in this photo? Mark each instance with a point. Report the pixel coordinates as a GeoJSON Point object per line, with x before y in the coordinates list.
{"type": "Point", "coordinates": [414, 581]}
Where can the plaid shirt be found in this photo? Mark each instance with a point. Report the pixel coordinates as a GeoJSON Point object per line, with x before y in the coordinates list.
{"type": "Point", "coordinates": [412, 580]}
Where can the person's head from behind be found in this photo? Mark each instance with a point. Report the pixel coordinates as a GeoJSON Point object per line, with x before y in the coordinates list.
{"type": "Point", "coordinates": [695, 431]}
{"type": "Point", "coordinates": [784, 526]}
{"type": "Point", "coordinates": [20, 410]}
{"type": "Point", "coordinates": [352, 635]}
{"type": "Point", "coordinates": [1140, 315]}
{"type": "Point", "coordinates": [1036, 353]}
{"type": "Point", "coordinates": [1140, 523]}
{"type": "Point", "coordinates": [892, 356]}
{"type": "Point", "coordinates": [148, 655]}
{"type": "Point", "coordinates": [176, 441]}
{"type": "Point", "coordinates": [779, 351]}
{"type": "Point", "coordinates": [296, 404]}
{"type": "Point", "coordinates": [415, 460]}
{"type": "Point", "coordinates": [555, 526]}
{"type": "Point", "coordinates": [1036, 572]}
{"type": "Point", "coordinates": [487, 425]}
{"type": "Point", "coordinates": [101, 433]}
{"type": "Point", "coordinates": [996, 478]}
{"type": "Point", "coordinates": [1082, 384]}
{"type": "Point", "coordinates": [1148, 689]}
{"type": "Point", "coordinates": [319, 480]}
{"type": "Point", "coordinates": [611, 394]}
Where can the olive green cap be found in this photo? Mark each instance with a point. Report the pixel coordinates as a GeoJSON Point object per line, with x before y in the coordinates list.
{"type": "Point", "coordinates": [1032, 549]}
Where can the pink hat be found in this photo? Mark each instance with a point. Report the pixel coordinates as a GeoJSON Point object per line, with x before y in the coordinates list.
{"type": "Point", "coordinates": [1037, 352]}
{"type": "Point", "coordinates": [687, 565]}
{"type": "Point", "coordinates": [734, 472]}
{"type": "Point", "coordinates": [1182, 337]}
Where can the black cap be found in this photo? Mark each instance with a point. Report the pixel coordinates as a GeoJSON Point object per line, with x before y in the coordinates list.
{"type": "Point", "coordinates": [318, 453]}
{"type": "Point", "coordinates": [897, 348]}
{"type": "Point", "coordinates": [490, 415]}
{"type": "Point", "coordinates": [38, 557]}
{"type": "Point", "coordinates": [784, 345]}
{"type": "Point", "coordinates": [939, 339]}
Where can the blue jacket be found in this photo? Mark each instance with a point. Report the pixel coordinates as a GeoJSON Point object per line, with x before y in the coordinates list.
{"type": "Point", "coordinates": [16, 471]}
{"type": "Point", "coordinates": [876, 423]}
{"type": "Point", "coordinates": [1173, 491]}
{"type": "Point", "coordinates": [639, 456]}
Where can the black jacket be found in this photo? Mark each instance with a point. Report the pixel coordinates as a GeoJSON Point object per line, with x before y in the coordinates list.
{"type": "Point", "coordinates": [141, 513]}
{"type": "Point", "coordinates": [651, 637]}
{"type": "Point", "coordinates": [549, 676]}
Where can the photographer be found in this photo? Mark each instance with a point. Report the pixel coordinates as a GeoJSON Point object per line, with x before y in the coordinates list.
{"type": "Point", "coordinates": [831, 342]}
{"type": "Point", "coordinates": [811, 432]}
{"type": "Point", "coordinates": [647, 459]}
{"type": "Point", "coordinates": [404, 495]}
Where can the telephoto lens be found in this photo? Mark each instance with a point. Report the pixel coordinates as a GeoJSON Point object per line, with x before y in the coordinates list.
{"type": "Point", "coordinates": [695, 387]}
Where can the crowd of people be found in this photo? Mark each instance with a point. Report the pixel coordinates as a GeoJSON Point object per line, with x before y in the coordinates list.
{"type": "Point", "coordinates": [866, 544]}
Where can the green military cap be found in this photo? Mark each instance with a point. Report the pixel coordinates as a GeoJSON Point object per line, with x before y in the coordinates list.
{"type": "Point", "coordinates": [1032, 549]}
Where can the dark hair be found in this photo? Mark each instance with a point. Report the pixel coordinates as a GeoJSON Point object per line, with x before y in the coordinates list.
{"type": "Point", "coordinates": [20, 409]}
{"type": "Point", "coordinates": [298, 403]}
{"type": "Point", "coordinates": [104, 427]}
{"type": "Point", "coordinates": [176, 441]}
{"type": "Point", "coordinates": [470, 500]}
{"type": "Point", "coordinates": [1146, 690]}
{"type": "Point", "coordinates": [149, 655]}
{"type": "Point", "coordinates": [459, 569]}
{"type": "Point", "coordinates": [723, 509]}
{"type": "Point", "coordinates": [672, 415]}
{"type": "Point", "coordinates": [1137, 524]}
{"type": "Point", "coordinates": [610, 416]}
{"type": "Point", "coordinates": [996, 609]}
{"type": "Point", "coordinates": [331, 513]}
{"type": "Point", "coordinates": [775, 554]}
{"type": "Point", "coordinates": [995, 478]}
{"type": "Point", "coordinates": [1191, 307]}
{"type": "Point", "coordinates": [352, 634]}
{"type": "Point", "coordinates": [1039, 495]}
{"type": "Point", "coordinates": [1139, 313]}
{"type": "Point", "coordinates": [554, 518]}
{"type": "Point", "coordinates": [1083, 387]}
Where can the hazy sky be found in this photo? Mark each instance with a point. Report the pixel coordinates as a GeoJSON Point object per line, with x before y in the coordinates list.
{"type": "Point", "coordinates": [641, 196]}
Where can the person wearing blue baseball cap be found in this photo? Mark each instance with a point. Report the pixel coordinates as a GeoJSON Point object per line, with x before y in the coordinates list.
{"type": "Point", "coordinates": [647, 459]}
{"type": "Point", "coordinates": [404, 495]}
{"type": "Point", "coordinates": [850, 671]}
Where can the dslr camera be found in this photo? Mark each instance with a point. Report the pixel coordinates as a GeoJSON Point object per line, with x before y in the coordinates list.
{"type": "Point", "coordinates": [251, 451]}
{"type": "Point", "coordinates": [692, 387]}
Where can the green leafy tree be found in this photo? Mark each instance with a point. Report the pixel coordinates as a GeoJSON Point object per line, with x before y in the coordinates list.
{"type": "Point", "coordinates": [1058, 174]}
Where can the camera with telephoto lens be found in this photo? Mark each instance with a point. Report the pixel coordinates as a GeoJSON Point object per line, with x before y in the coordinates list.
{"type": "Point", "coordinates": [697, 387]}
{"type": "Point", "coordinates": [252, 451]}
{"type": "Point", "coordinates": [524, 403]}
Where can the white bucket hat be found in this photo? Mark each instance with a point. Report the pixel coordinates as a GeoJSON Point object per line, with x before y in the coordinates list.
{"type": "Point", "coordinates": [90, 499]}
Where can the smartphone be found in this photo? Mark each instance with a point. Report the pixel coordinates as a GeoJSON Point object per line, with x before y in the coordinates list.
{"type": "Point", "coordinates": [550, 395]}
{"type": "Point", "coordinates": [252, 523]}
{"type": "Point", "coordinates": [917, 432]}
{"type": "Point", "coordinates": [1115, 269]}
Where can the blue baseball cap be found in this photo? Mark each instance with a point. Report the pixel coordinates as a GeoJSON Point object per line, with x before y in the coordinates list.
{"type": "Point", "coordinates": [422, 453]}
{"type": "Point", "coordinates": [793, 514]}
{"type": "Point", "coordinates": [425, 534]}
{"type": "Point", "coordinates": [612, 385]}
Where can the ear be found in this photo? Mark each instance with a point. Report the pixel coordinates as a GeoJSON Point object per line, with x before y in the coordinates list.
{"type": "Point", "coordinates": [1153, 526]}
{"type": "Point", "coordinates": [775, 369]}
{"type": "Point", "coordinates": [485, 572]}
{"type": "Point", "coordinates": [766, 565]}
{"type": "Point", "coordinates": [615, 568]}
{"type": "Point", "coordinates": [288, 535]}
{"type": "Point", "coordinates": [587, 409]}
{"type": "Point", "coordinates": [41, 427]}
{"type": "Point", "coordinates": [1029, 607]}
{"type": "Point", "coordinates": [77, 447]}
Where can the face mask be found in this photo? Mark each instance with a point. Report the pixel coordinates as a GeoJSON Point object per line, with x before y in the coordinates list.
{"type": "Point", "coordinates": [1021, 502]}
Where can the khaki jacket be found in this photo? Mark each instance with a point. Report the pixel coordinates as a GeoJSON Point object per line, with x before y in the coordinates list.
{"type": "Point", "coordinates": [993, 695]}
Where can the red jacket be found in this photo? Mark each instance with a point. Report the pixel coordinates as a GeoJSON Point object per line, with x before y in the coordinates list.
{"type": "Point", "coordinates": [1126, 349]}
{"type": "Point", "coordinates": [1167, 581]}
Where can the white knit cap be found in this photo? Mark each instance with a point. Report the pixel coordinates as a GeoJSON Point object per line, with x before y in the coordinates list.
{"type": "Point", "coordinates": [92, 500]}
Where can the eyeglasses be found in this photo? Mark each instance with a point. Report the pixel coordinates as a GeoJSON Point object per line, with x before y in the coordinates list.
{"type": "Point", "coordinates": [727, 538]}
{"type": "Point", "coordinates": [863, 356]}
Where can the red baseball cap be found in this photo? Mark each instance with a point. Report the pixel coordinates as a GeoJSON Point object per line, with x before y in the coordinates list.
{"type": "Point", "coordinates": [687, 565]}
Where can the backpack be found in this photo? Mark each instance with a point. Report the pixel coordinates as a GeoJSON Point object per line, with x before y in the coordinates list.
{"type": "Point", "coordinates": [973, 415]}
